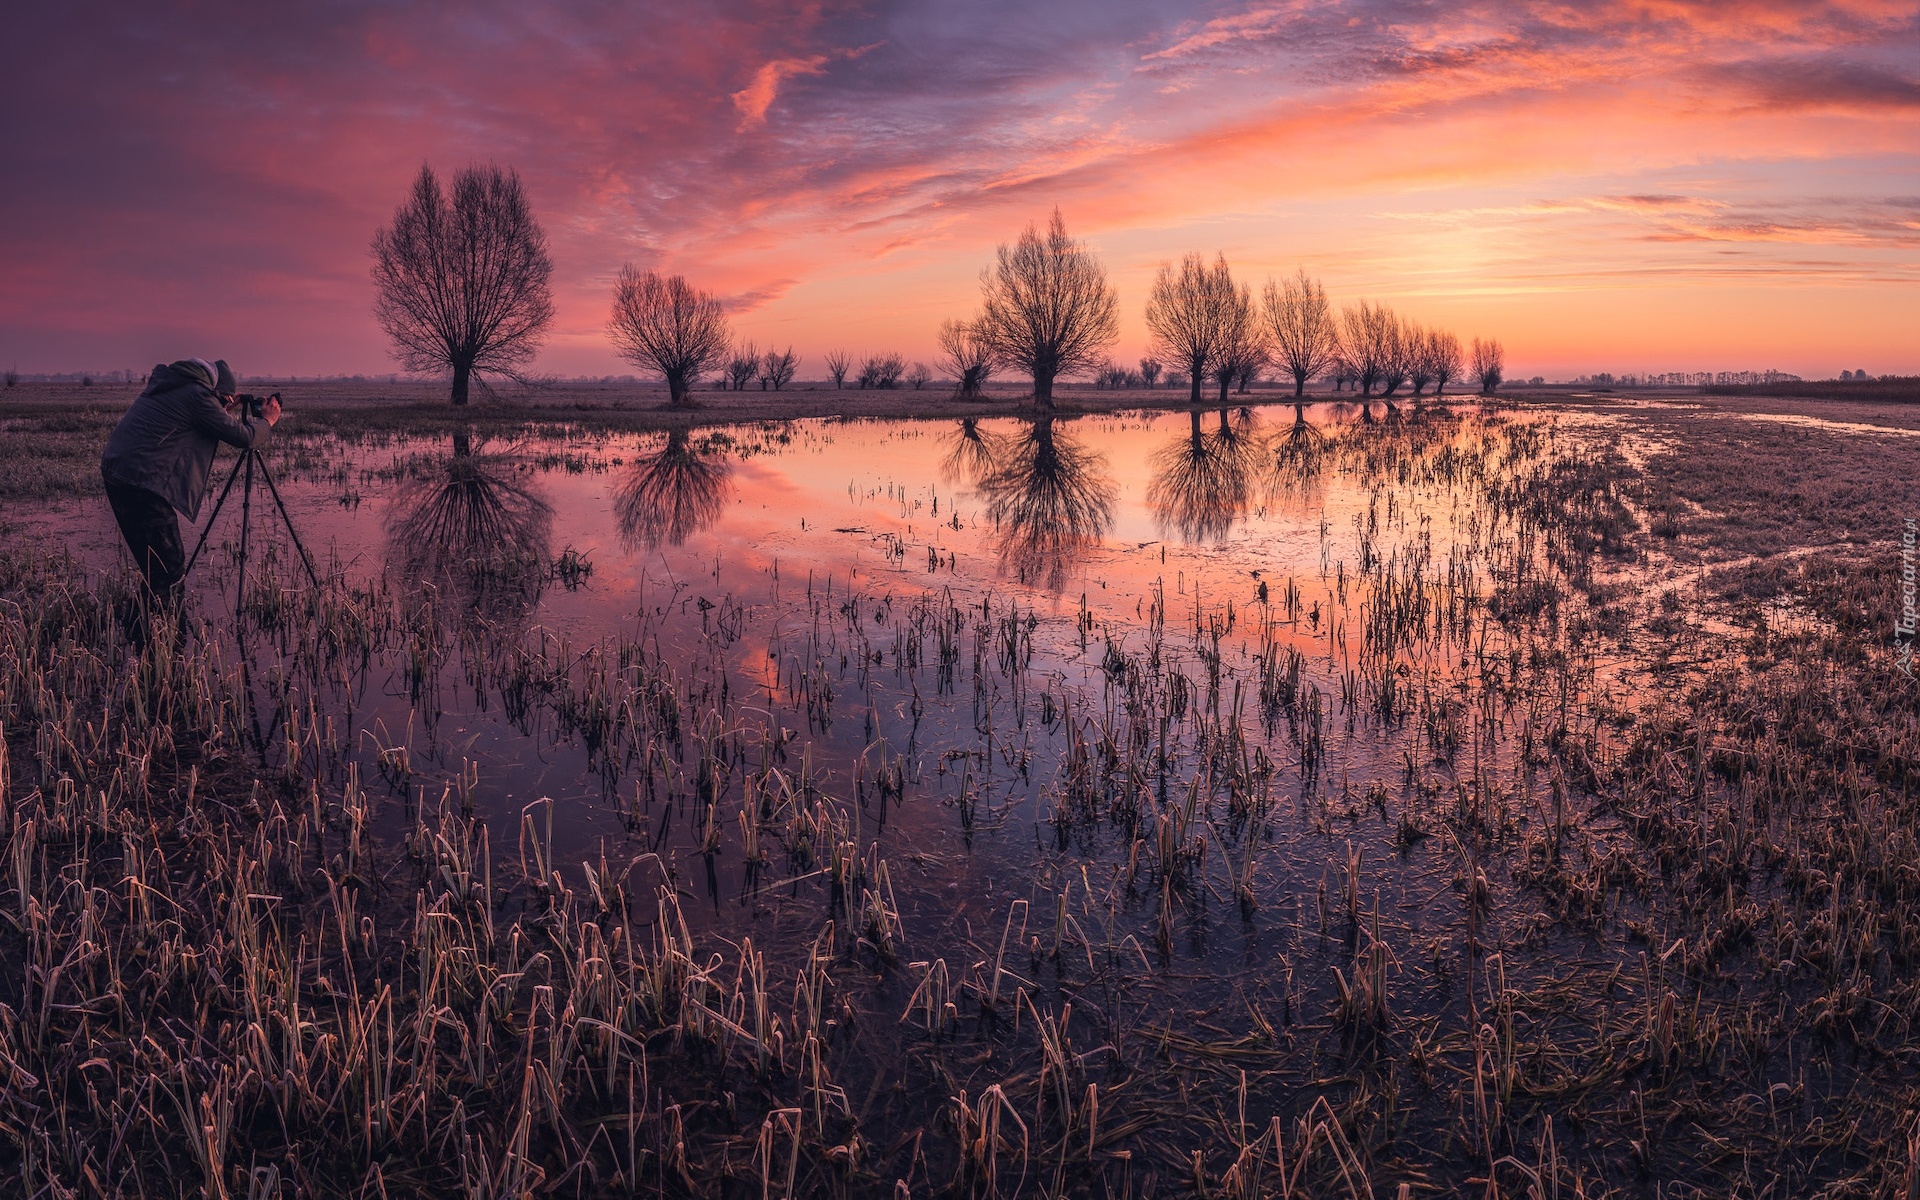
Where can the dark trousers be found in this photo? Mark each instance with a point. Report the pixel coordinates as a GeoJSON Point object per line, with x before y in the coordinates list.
{"type": "Point", "coordinates": [152, 531]}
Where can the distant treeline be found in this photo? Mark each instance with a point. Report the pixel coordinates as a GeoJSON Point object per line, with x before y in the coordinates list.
{"type": "Point", "coordinates": [1685, 379]}
{"type": "Point", "coordinates": [1901, 388]}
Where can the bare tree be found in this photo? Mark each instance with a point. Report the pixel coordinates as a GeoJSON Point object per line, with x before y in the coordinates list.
{"type": "Point", "coordinates": [1300, 322]}
{"type": "Point", "coordinates": [743, 367]}
{"type": "Point", "coordinates": [882, 371]}
{"type": "Point", "coordinates": [919, 375]}
{"type": "Point", "coordinates": [1489, 364]}
{"type": "Point", "coordinates": [1443, 359]}
{"type": "Point", "coordinates": [461, 279]}
{"type": "Point", "coordinates": [1368, 335]}
{"type": "Point", "coordinates": [1397, 361]}
{"type": "Point", "coordinates": [1191, 314]}
{"type": "Point", "coordinates": [1243, 346]}
{"type": "Point", "coordinates": [668, 325]}
{"type": "Point", "coordinates": [1341, 372]}
{"type": "Point", "coordinates": [1417, 351]}
{"type": "Point", "coordinates": [1046, 307]}
{"type": "Point", "coordinates": [839, 362]}
{"type": "Point", "coordinates": [967, 355]}
{"type": "Point", "coordinates": [1247, 370]}
{"type": "Point", "coordinates": [779, 367]}
{"type": "Point", "coordinates": [1149, 371]}
{"type": "Point", "coordinates": [12, 377]}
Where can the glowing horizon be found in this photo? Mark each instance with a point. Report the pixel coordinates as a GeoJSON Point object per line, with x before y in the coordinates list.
{"type": "Point", "coordinates": [1653, 186]}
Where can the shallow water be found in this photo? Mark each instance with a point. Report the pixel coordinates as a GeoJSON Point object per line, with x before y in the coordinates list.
{"type": "Point", "coordinates": [1101, 582]}
{"type": "Point", "coordinates": [1247, 754]}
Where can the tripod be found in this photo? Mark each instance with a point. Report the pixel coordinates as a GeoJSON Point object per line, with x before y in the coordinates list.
{"type": "Point", "coordinates": [250, 460]}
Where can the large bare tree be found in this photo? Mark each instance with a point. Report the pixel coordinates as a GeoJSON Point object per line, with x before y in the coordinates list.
{"type": "Point", "coordinates": [1046, 307]}
{"type": "Point", "coordinates": [1489, 365]}
{"type": "Point", "coordinates": [1306, 339]}
{"type": "Point", "coordinates": [1191, 314]}
{"type": "Point", "coordinates": [462, 280]}
{"type": "Point", "coordinates": [1402, 338]}
{"type": "Point", "coordinates": [1443, 359]}
{"type": "Point", "coordinates": [964, 352]}
{"type": "Point", "coordinates": [1247, 349]}
{"type": "Point", "coordinates": [1369, 334]}
{"type": "Point", "coordinates": [665, 324]}
{"type": "Point", "coordinates": [1417, 352]}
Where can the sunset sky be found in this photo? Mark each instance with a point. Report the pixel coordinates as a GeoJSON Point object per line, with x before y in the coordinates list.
{"type": "Point", "coordinates": [1603, 186]}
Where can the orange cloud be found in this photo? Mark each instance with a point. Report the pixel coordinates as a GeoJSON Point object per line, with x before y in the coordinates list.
{"type": "Point", "coordinates": [754, 100]}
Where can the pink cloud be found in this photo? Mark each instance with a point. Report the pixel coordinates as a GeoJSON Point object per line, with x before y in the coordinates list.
{"type": "Point", "coordinates": [152, 201]}
{"type": "Point", "coordinates": [754, 100]}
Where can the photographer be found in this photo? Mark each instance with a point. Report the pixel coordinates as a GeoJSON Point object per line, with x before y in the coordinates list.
{"type": "Point", "coordinates": [157, 461]}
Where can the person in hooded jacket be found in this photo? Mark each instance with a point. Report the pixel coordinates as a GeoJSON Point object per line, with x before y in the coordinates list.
{"type": "Point", "coordinates": [159, 456]}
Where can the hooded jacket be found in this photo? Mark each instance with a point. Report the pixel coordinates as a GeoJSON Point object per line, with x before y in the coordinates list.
{"type": "Point", "coordinates": [166, 441]}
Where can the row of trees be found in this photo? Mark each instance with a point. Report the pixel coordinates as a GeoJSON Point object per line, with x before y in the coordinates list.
{"type": "Point", "coordinates": [1048, 310]}
{"type": "Point", "coordinates": [463, 284]}
{"type": "Point", "coordinates": [1214, 329]}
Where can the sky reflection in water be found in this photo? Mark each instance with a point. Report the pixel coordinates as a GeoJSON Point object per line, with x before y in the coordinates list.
{"type": "Point", "coordinates": [756, 554]}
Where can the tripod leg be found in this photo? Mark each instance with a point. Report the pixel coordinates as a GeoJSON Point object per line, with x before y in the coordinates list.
{"type": "Point", "coordinates": [246, 511]}
{"type": "Point", "coordinates": [232, 477]}
{"type": "Point", "coordinates": [305, 558]}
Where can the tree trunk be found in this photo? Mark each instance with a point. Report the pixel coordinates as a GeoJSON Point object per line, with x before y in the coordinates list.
{"type": "Point", "coordinates": [1199, 381]}
{"type": "Point", "coordinates": [1224, 385]}
{"type": "Point", "coordinates": [1299, 384]}
{"type": "Point", "coordinates": [676, 389]}
{"type": "Point", "coordinates": [462, 443]}
{"type": "Point", "coordinates": [462, 372]}
{"type": "Point", "coordinates": [1043, 388]}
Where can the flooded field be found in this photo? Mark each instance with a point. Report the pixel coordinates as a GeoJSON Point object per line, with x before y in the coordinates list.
{"type": "Point", "coordinates": [1280, 801]}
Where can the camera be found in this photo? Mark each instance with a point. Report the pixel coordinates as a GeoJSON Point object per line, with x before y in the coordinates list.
{"type": "Point", "coordinates": [253, 408]}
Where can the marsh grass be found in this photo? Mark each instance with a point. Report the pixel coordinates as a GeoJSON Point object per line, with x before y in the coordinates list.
{"type": "Point", "coordinates": [1599, 919]}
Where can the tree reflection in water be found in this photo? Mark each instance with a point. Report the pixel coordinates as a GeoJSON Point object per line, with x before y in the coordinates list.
{"type": "Point", "coordinates": [1298, 456]}
{"type": "Point", "coordinates": [1050, 499]}
{"type": "Point", "coordinates": [467, 530]}
{"type": "Point", "coordinates": [672, 493]}
{"type": "Point", "coordinates": [971, 453]}
{"type": "Point", "coordinates": [1201, 482]}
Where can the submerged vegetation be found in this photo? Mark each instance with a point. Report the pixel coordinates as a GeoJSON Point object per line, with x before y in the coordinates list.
{"type": "Point", "coordinates": [1466, 860]}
